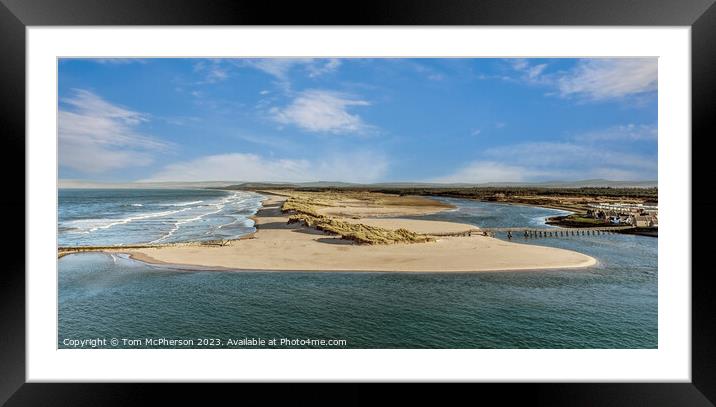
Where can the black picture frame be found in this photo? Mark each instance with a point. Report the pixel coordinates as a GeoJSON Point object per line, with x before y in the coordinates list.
{"type": "Point", "coordinates": [16, 15]}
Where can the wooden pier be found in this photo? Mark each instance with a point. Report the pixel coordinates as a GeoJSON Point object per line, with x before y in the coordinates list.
{"type": "Point", "coordinates": [539, 232]}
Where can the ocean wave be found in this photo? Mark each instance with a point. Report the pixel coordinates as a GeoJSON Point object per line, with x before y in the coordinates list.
{"type": "Point", "coordinates": [240, 221]}
{"type": "Point", "coordinates": [216, 217]}
{"type": "Point", "coordinates": [93, 225]}
{"type": "Point", "coordinates": [182, 203]}
{"type": "Point", "coordinates": [180, 222]}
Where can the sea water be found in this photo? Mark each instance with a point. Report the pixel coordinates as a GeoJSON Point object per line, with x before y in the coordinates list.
{"type": "Point", "coordinates": [124, 216]}
{"type": "Point", "coordinates": [610, 305]}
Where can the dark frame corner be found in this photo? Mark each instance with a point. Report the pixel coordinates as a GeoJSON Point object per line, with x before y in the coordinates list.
{"type": "Point", "coordinates": [700, 15]}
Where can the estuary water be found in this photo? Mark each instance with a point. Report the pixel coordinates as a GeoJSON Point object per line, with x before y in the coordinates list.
{"type": "Point", "coordinates": [102, 296]}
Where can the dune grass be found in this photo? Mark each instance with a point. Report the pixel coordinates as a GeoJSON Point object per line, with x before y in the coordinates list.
{"type": "Point", "coordinates": [303, 210]}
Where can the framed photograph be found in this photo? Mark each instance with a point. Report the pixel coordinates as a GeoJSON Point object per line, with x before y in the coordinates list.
{"type": "Point", "coordinates": [471, 194]}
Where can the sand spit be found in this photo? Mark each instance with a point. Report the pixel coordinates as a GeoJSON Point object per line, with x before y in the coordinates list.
{"type": "Point", "coordinates": [277, 245]}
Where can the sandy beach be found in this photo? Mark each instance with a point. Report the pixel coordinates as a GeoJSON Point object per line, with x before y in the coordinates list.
{"type": "Point", "coordinates": [277, 245]}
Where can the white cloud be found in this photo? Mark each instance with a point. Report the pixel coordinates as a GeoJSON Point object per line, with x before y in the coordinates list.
{"type": "Point", "coordinates": [594, 79]}
{"type": "Point", "coordinates": [535, 71]}
{"type": "Point", "coordinates": [97, 136]}
{"type": "Point", "coordinates": [323, 112]}
{"type": "Point", "coordinates": [362, 166]}
{"type": "Point", "coordinates": [87, 103]}
{"type": "Point", "coordinates": [600, 79]}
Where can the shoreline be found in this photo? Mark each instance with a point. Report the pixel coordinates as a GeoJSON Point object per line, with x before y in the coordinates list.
{"type": "Point", "coordinates": [279, 246]}
{"type": "Point", "coordinates": [139, 257]}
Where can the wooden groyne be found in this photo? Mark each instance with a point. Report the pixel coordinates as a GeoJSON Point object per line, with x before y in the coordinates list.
{"type": "Point", "coordinates": [65, 250]}
{"type": "Point", "coordinates": [540, 232]}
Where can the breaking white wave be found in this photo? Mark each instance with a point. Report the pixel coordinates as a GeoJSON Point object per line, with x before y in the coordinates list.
{"type": "Point", "coordinates": [185, 203]}
{"type": "Point", "coordinates": [159, 219]}
{"type": "Point", "coordinates": [93, 225]}
{"type": "Point", "coordinates": [181, 222]}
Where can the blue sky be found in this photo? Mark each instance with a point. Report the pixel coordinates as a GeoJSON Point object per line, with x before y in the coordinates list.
{"type": "Point", "coordinates": [357, 120]}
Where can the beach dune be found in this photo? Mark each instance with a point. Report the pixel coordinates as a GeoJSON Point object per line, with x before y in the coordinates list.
{"type": "Point", "coordinates": [277, 245]}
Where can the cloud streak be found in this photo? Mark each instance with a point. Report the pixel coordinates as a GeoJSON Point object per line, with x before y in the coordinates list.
{"type": "Point", "coordinates": [530, 73]}
{"type": "Point", "coordinates": [213, 71]}
{"type": "Point", "coordinates": [362, 166]}
{"type": "Point", "coordinates": [623, 133]}
{"type": "Point", "coordinates": [280, 68]}
{"type": "Point", "coordinates": [97, 136]}
{"type": "Point", "coordinates": [596, 79]}
{"type": "Point", "coordinates": [118, 61]}
{"type": "Point", "coordinates": [601, 154]}
{"type": "Point", "coordinates": [484, 171]}
{"type": "Point", "coordinates": [602, 79]}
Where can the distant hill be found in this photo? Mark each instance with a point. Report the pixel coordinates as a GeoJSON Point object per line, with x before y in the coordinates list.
{"type": "Point", "coordinates": [592, 183]}
{"type": "Point", "coordinates": [139, 185]}
{"type": "Point", "coordinates": [317, 184]}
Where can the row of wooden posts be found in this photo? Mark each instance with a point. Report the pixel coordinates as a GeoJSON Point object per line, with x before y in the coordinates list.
{"type": "Point", "coordinates": [559, 233]}
{"type": "Point", "coordinates": [540, 232]}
